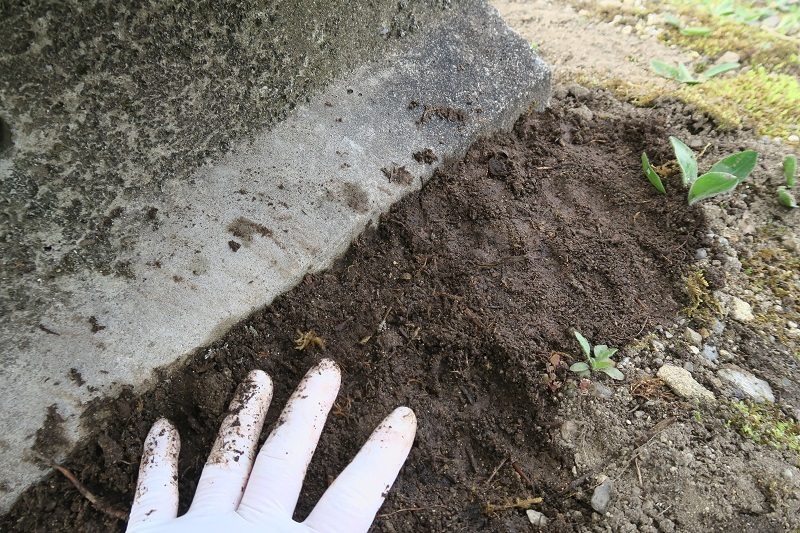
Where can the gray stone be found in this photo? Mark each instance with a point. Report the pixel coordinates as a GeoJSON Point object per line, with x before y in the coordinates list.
{"type": "Point", "coordinates": [732, 265]}
{"type": "Point", "coordinates": [173, 164]}
{"type": "Point", "coordinates": [579, 91]}
{"type": "Point", "coordinates": [745, 385]}
{"type": "Point", "coordinates": [601, 391]}
{"type": "Point", "coordinates": [657, 345]}
{"type": "Point", "coordinates": [684, 385]}
{"type": "Point", "coordinates": [728, 57]}
{"type": "Point", "coordinates": [771, 21]}
{"type": "Point", "coordinates": [601, 497]}
{"type": "Point", "coordinates": [710, 352]}
{"type": "Point", "coordinates": [692, 337]}
{"type": "Point", "coordinates": [701, 253]}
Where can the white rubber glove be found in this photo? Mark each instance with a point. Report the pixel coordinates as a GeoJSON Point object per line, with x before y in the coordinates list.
{"type": "Point", "coordinates": [230, 498]}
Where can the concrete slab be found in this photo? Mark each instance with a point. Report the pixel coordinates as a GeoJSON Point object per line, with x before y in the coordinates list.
{"type": "Point", "coordinates": [200, 255]}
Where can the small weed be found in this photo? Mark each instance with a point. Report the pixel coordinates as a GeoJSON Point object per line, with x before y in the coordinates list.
{"type": "Point", "coordinates": [551, 367]}
{"type": "Point", "coordinates": [600, 362]}
{"type": "Point", "coordinates": [681, 74]}
{"type": "Point", "coordinates": [724, 176]}
{"type": "Point", "coordinates": [692, 31]}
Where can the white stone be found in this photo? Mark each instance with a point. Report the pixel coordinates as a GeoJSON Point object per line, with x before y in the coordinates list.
{"type": "Point", "coordinates": [746, 385]}
{"type": "Point", "coordinates": [684, 385]}
{"type": "Point", "coordinates": [741, 310]}
{"type": "Point", "coordinates": [536, 518]}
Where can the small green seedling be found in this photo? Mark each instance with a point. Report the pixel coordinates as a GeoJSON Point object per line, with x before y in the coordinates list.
{"type": "Point", "coordinates": [724, 176]}
{"type": "Point", "coordinates": [672, 19]}
{"type": "Point", "coordinates": [601, 362]}
{"type": "Point", "coordinates": [652, 175]}
{"type": "Point", "coordinates": [785, 197]}
{"type": "Point", "coordinates": [681, 74]}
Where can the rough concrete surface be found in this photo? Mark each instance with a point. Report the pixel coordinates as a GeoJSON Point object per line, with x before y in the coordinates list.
{"type": "Point", "coordinates": [189, 257]}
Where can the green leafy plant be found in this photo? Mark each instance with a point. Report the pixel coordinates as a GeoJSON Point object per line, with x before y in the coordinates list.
{"type": "Point", "coordinates": [785, 197]}
{"type": "Point", "coordinates": [600, 362]}
{"type": "Point", "coordinates": [681, 73]}
{"type": "Point", "coordinates": [724, 176]}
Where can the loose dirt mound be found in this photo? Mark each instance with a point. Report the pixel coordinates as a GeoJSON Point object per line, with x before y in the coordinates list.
{"type": "Point", "coordinates": [451, 306]}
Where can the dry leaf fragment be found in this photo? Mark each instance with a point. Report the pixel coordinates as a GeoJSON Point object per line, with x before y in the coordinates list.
{"type": "Point", "coordinates": [308, 339]}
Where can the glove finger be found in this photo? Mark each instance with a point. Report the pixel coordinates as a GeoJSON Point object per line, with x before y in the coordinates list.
{"type": "Point", "coordinates": [225, 474]}
{"type": "Point", "coordinates": [351, 502]}
{"type": "Point", "coordinates": [282, 463]}
{"type": "Point", "coordinates": [156, 498]}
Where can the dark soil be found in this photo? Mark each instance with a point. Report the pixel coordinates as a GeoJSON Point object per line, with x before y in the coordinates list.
{"type": "Point", "coordinates": [450, 306]}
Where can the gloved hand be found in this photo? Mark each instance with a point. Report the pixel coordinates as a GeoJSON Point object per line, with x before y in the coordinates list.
{"type": "Point", "coordinates": [236, 496]}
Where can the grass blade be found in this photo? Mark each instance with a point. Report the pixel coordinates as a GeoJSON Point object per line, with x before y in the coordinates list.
{"type": "Point", "coordinates": [652, 175]}
{"type": "Point", "coordinates": [686, 160]}
{"type": "Point", "coordinates": [790, 170]}
{"type": "Point", "coordinates": [711, 184]}
{"type": "Point", "coordinates": [740, 165]}
{"type": "Point", "coordinates": [685, 76]}
{"type": "Point", "coordinates": [785, 197]}
{"type": "Point", "coordinates": [719, 69]}
{"type": "Point", "coordinates": [695, 31]}
{"type": "Point", "coordinates": [669, 18]}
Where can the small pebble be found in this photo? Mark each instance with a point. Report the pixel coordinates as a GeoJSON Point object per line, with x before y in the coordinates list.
{"type": "Point", "coordinates": [536, 518]}
{"type": "Point", "coordinates": [692, 337]}
{"type": "Point", "coordinates": [710, 352]}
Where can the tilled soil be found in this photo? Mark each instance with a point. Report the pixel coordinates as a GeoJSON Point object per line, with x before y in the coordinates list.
{"type": "Point", "coordinates": [451, 305]}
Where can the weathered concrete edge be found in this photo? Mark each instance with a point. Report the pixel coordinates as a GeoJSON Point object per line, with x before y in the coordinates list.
{"type": "Point", "coordinates": [316, 182]}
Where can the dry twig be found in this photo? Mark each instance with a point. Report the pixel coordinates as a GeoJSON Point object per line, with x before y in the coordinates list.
{"type": "Point", "coordinates": [99, 504]}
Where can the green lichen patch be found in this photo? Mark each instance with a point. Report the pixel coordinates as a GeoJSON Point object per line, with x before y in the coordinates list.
{"type": "Point", "coordinates": [755, 46]}
{"type": "Point", "coordinates": [766, 101]}
{"type": "Point", "coordinates": [765, 424]}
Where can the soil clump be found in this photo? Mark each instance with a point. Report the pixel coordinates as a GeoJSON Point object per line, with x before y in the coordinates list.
{"type": "Point", "coordinates": [451, 305]}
